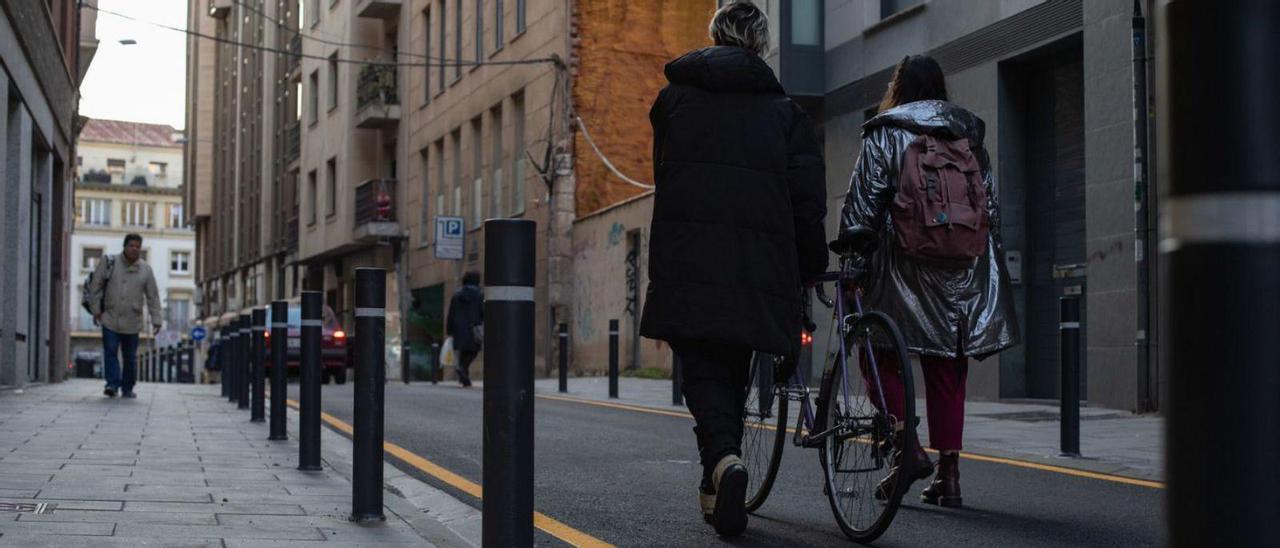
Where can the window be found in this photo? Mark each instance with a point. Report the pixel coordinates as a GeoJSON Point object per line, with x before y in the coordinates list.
{"type": "Point", "coordinates": [439, 178]}
{"type": "Point", "coordinates": [424, 218]}
{"type": "Point", "coordinates": [158, 169]}
{"type": "Point", "coordinates": [806, 23]}
{"type": "Point", "coordinates": [520, 23]}
{"type": "Point", "coordinates": [479, 31]}
{"type": "Point", "coordinates": [90, 257]}
{"type": "Point", "coordinates": [426, 52]}
{"type": "Point", "coordinates": [180, 262]}
{"type": "Point", "coordinates": [888, 8]}
{"type": "Point", "coordinates": [498, 25]}
{"type": "Point", "coordinates": [94, 211]}
{"type": "Point", "coordinates": [176, 220]}
{"type": "Point", "coordinates": [333, 81]}
{"type": "Point", "coordinates": [495, 139]}
{"type": "Point", "coordinates": [178, 310]}
{"type": "Point", "coordinates": [444, 51]}
{"type": "Point", "coordinates": [517, 154]}
{"type": "Point", "coordinates": [314, 101]}
{"type": "Point", "coordinates": [302, 12]}
{"type": "Point", "coordinates": [297, 105]}
{"type": "Point", "coordinates": [477, 174]}
{"type": "Point", "coordinates": [457, 42]}
{"type": "Point", "coordinates": [311, 197]}
{"type": "Point", "coordinates": [115, 168]}
{"type": "Point", "coordinates": [315, 12]}
{"type": "Point", "coordinates": [331, 171]}
{"type": "Point", "coordinates": [138, 214]}
{"type": "Point", "coordinates": [456, 149]}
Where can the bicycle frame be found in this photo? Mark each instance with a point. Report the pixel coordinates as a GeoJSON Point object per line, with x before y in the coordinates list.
{"type": "Point", "coordinates": [811, 431]}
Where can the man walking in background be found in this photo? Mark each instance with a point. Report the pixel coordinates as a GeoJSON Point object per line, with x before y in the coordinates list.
{"type": "Point", "coordinates": [117, 293]}
{"type": "Point", "coordinates": [465, 323]}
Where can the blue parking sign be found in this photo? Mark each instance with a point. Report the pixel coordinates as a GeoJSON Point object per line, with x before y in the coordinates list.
{"type": "Point", "coordinates": [450, 234]}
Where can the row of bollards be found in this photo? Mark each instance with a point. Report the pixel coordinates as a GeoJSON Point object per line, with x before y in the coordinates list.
{"type": "Point", "coordinates": [170, 364]}
{"type": "Point", "coordinates": [243, 357]}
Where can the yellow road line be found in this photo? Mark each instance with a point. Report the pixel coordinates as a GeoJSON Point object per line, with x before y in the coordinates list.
{"type": "Point", "coordinates": [542, 521]}
{"type": "Point", "coordinates": [965, 455]}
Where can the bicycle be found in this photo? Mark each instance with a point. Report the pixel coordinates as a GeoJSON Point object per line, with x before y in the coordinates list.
{"type": "Point", "coordinates": [848, 423]}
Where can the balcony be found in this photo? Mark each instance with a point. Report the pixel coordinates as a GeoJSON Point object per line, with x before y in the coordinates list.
{"type": "Point", "coordinates": [292, 142]}
{"type": "Point", "coordinates": [375, 211]}
{"type": "Point", "coordinates": [378, 9]}
{"type": "Point", "coordinates": [219, 9]}
{"type": "Point", "coordinates": [377, 97]}
{"type": "Point", "coordinates": [293, 60]}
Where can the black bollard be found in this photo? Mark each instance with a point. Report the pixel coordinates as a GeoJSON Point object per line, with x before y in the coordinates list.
{"type": "Point", "coordinates": [171, 361]}
{"type": "Point", "coordinates": [1069, 327]}
{"type": "Point", "coordinates": [244, 372]}
{"type": "Point", "coordinates": [677, 375]}
{"type": "Point", "coordinates": [166, 359]}
{"type": "Point", "coordinates": [508, 388]}
{"type": "Point", "coordinates": [435, 362]}
{"type": "Point", "coordinates": [309, 391]}
{"type": "Point", "coordinates": [191, 362]}
{"type": "Point", "coordinates": [613, 359]}
{"type": "Point", "coordinates": [279, 362]}
{"type": "Point", "coordinates": [371, 376]}
{"type": "Point", "coordinates": [222, 361]}
{"type": "Point", "coordinates": [564, 358]}
{"type": "Point", "coordinates": [257, 404]}
{"type": "Point", "coordinates": [233, 339]}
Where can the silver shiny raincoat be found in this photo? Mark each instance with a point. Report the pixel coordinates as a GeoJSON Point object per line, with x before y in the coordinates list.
{"type": "Point", "coordinates": [942, 311]}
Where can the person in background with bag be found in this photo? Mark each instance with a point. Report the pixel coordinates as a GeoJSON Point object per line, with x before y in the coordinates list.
{"type": "Point", "coordinates": [923, 185]}
{"type": "Point", "coordinates": [465, 324]}
{"type": "Point", "coordinates": [118, 291]}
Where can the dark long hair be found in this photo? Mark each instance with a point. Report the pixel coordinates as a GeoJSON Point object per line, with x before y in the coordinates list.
{"type": "Point", "coordinates": [917, 78]}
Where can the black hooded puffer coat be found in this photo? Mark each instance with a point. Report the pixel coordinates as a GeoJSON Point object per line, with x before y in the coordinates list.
{"type": "Point", "coordinates": [739, 208]}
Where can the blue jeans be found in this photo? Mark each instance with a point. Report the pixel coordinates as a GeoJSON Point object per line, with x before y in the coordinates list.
{"type": "Point", "coordinates": [112, 344]}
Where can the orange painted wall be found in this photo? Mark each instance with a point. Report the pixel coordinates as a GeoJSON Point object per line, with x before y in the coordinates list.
{"type": "Point", "coordinates": [622, 46]}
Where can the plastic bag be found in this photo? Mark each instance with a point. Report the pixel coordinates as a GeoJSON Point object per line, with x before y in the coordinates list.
{"type": "Point", "coordinates": [447, 357]}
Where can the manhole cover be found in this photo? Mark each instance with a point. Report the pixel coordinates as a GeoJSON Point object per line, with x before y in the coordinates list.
{"type": "Point", "coordinates": [27, 507]}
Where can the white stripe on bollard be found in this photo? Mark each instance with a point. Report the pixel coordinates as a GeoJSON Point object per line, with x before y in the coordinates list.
{"type": "Point", "coordinates": [516, 293]}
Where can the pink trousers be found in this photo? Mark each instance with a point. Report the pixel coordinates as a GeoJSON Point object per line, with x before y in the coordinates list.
{"type": "Point", "coordinates": [944, 386]}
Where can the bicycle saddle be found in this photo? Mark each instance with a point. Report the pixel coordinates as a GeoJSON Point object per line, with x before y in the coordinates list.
{"type": "Point", "coordinates": [859, 239]}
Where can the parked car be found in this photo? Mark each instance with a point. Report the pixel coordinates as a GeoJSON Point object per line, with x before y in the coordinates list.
{"type": "Point", "coordinates": [333, 345]}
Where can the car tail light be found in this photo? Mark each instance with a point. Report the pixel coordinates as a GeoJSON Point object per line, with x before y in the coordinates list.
{"type": "Point", "coordinates": [339, 334]}
{"type": "Point", "coordinates": [806, 339]}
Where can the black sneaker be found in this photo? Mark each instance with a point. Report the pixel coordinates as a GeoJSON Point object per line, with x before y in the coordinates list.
{"type": "Point", "coordinates": [109, 392]}
{"type": "Point", "coordinates": [730, 514]}
{"type": "Point", "coordinates": [129, 394]}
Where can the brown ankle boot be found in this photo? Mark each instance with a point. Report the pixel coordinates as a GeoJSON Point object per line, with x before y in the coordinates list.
{"type": "Point", "coordinates": [922, 468]}
{"type": "Point", "coordinates": [945, 489]}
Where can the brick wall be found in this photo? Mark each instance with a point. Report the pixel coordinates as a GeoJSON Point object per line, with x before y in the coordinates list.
{"type": "Point", "coordinates": [621, 48]}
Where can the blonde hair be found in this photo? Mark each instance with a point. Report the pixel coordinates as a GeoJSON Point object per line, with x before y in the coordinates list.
{"type": "Point", "coordinates": [742, 24]}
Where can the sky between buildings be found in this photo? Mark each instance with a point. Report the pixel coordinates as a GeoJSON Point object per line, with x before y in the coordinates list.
{"type": "Point", "coordinates": [144, 82]}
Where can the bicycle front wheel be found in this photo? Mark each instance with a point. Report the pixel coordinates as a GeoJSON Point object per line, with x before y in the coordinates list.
{"type": "Point", "coordinates": [857, 457]}
{"type": "Point", "coordinates": [764, 429]}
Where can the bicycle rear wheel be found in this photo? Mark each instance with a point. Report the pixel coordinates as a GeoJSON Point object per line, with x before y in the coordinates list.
{"type": "Point", "coordinates": [859, 454]}
{"type": "Point", "coordinates": [764, 430]}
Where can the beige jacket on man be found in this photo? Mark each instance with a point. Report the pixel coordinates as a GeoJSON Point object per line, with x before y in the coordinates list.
{"type": "Point", "coordinates": [129, 285]}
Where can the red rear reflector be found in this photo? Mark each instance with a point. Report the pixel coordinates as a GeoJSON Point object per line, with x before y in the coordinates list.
{"type": "Point", "coordinates": [805, 338]}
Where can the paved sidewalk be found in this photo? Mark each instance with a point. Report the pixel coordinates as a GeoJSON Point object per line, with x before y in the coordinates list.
{"type": "Point", "coordinates": [179, 466]}
{"type": "Point", "coordinates": [1111, 441]}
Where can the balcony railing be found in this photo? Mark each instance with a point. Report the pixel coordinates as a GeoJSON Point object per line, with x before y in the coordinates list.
{"type": "Point", "coordinates": [380, 9]}
{"type": "Point", "coordinates": [377, 97]}
{"type": "Point", "coordinates": [375, 211]}
{"type": "Point", "coordinates": [295, 53]}
{"type": "Point", "coordinates": [292, 141]}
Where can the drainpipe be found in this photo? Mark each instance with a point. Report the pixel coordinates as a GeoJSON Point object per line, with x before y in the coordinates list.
{"type": "Point", "coordinates": [1141, 205]}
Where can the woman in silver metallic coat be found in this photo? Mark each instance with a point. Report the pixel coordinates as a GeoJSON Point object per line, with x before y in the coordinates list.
{"type": "Point", "coordinates": [948, 314]}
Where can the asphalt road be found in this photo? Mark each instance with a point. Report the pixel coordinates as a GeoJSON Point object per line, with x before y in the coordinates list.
{"type": "Point", "coordinates": [629, 478]}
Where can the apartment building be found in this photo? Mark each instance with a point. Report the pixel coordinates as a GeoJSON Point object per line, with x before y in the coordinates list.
{"type": "Point", "coordinates": [128, 179]}
{"type": "Point", "coordinates": [45, 49]}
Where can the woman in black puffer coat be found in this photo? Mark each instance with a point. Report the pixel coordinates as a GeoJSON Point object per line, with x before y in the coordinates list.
{"type": "Point", "coordinates": [737, 227]}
